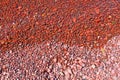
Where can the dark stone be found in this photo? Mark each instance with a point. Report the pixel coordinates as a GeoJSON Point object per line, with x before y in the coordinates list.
{"type": "Point", "coordinates": [1, 70]}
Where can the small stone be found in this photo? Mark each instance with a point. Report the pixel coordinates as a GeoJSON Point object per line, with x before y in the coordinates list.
{"type": "Point", "coordinates": [65, 46]}
{"type": "Point", "coordinates": [0, 59]}
{"type": "Point", "coordinates": [84, 78]}
{"type": "Point", "coordinates": [0, 70]}
{"type": "Point", "coordinates": [37, 23]}
{"type": "Point", "coordinates": [103, 50]}
{"type": "Point", "coordinates": [85, 27]}
{"type": "Point", "coordinates": [55, 60]}
{"type": "Point", "coordinates": [10, 51]}
{"type": "Point", "coordinates": [61, 73]}
{"type": "Point", "coordinates": [113, 22]}
{"type": "Point", "coordinates": [0, 27]}
{"type": "Point", "coordinates": [19, 7]}
{"type": "Point", "coordinates": [13, 23]}
{"type": "Point", "coordinates": [43, 15]}
{"type": "Point", "coordinates": [55, 0]}
{"type": "Point", "coordinates": [97, 10]}
{"type": "Point", "coordinates": [93, 66]}
{"type": "Point", "coordinates": [98, 37]}
{"type": "Point", "coordinates": [74, 20]}
{"type": "Point", "coordinates": [118, 43]}
{"type": "Point", "coordinates": [2, 41]}
{"type": "Point", "coordinates": [109, 16]}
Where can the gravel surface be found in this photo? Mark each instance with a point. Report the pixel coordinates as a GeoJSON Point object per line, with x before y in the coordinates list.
{"type": "Point", "coordinates": [58, 61]}
{"type": "Point", "coordinates": [59, 39]}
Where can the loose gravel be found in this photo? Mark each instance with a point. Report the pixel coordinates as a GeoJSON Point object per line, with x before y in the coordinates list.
{"type": "Point", "coordinates": [58, 61]}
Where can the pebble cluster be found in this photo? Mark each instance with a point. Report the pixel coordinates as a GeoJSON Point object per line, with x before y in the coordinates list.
{"type": "Point", "coordinates": [58, 61]}
{"type": "Point", "coordinates": [59, 39]}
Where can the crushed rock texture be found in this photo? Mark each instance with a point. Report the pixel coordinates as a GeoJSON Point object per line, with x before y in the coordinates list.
{"type": "Point", "coordinates": [58, 61]}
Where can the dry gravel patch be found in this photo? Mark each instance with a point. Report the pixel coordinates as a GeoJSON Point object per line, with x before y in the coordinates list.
{"type": "Point", "coordinates": [58, 61]}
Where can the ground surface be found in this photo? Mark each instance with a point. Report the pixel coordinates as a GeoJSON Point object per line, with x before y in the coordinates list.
{"type": "Point", "coordinates": [57, 61]}
{"type": "Point", "coordinates": [59, 39]}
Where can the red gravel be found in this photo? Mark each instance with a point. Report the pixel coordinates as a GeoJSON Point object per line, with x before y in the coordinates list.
{"type": "Point", "coordinates": [59, 39]}
{"type": "Point", "coordinates": [73, 22]}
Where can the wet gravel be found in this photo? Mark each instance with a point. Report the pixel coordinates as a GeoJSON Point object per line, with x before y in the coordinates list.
{"type": "Point", "coordinates": [58, 61]}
